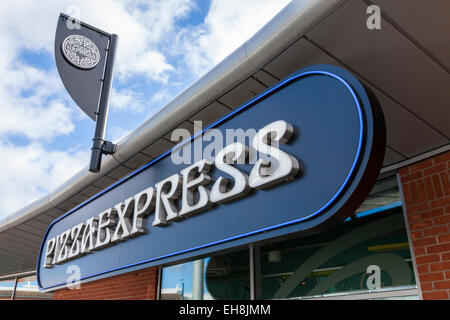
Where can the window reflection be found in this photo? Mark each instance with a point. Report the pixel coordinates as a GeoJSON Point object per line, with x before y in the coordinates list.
{"type": "Point", "coordinates": [362, 254]}
{"type": "Point", "coordinates": [219, 277]}
{"type": "Point", "coordinates": [27, 289]}
{"type": "Point", "coordinates": [384, 193]}
{"type": "Point", "coordinates": [6, 289]}
{"type": "Point", "coordinates": [365, 257]}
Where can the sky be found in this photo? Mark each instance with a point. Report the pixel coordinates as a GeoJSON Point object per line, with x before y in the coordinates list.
{"type": "Point", "coordinates": [164, 47]}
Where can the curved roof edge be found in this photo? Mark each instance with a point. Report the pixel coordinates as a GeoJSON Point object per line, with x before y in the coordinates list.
{"type": "Point", "coordinates": [286, 27]}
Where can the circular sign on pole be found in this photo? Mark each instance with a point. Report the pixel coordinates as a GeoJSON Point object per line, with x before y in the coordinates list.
{"type": "Point", "coordinates": [80, 51]}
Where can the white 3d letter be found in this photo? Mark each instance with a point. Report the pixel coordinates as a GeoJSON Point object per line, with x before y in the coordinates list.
{"type": "Point", "coordinates": [166, 192]}
{"type": "Point", "coordinates": [281, 166]}
{"type": "Point", "coordinates": [194, 178]}
{"type": "Point", "coordinates": [230, 154]}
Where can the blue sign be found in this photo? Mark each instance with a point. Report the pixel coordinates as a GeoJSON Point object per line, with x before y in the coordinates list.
{"type": "Point", "coordinates": [312, 148]}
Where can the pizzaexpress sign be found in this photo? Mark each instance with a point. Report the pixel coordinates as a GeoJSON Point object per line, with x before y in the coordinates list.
{"type": "Point", "coordinates": [320, 139]}
{"type": "Point", "coordinates": [127, 218]}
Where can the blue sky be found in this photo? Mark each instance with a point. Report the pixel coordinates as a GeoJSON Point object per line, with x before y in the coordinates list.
{"type": "Point", "coordinates": [164, 46]}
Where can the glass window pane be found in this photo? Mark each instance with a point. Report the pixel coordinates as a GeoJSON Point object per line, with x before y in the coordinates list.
{"type": "Point", "coordinates": [27, 289]}
{"type": "Point", "coordinates": [220, 277]}
{"type": "Point", "coordinates": [6, 289]}
{"type": "Point", "coordinates": [365, 254]}
{"type": "Point", "coordinates": [384, 194]}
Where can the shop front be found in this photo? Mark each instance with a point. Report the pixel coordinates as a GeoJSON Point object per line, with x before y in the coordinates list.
{"type": "Point", "coordinates": [365, 257]}
{"type": "Point", "coordinates": [310, 164]}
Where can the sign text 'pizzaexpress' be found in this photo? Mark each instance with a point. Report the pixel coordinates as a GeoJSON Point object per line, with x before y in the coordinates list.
{"type": "Point", "coordinates": [127, 218]}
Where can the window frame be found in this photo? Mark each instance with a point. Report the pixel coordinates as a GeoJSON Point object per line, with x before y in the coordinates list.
{"type": "Point", "coordinates": [254, 266]}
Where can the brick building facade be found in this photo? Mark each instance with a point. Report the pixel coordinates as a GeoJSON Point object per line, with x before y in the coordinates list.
{"type": "Point", "coordinates": [138, 285]}
{"type": "Point", "coordinates": [426, 189]}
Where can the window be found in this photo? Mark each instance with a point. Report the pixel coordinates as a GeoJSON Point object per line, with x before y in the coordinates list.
{"type": "Point", "coordinates": [27, 289]}
{"type": "Point", "coordinates": [365, 257]}
{"type": "Point", "coordinates": [6, 289]}
{"type": "Point", "coordinates": [21, 287]}
{"type": "Point", "coordinates": [219, 277]}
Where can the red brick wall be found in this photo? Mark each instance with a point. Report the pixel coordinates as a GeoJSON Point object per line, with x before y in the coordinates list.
{"type": "Point", "coordinates": [138, 285]}
{"type": "Point", "coordinates": [426, 188]}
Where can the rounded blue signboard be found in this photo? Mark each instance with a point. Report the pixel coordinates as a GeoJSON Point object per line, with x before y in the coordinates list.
{"type": "Point", "coordinates": [303, 155]}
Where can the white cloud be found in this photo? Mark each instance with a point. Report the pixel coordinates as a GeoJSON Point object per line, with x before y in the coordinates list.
{"type": "Point", "coordinates": [31, 104]}
{"type": "Point", "coordinates": [31, 171]}
{"type": "Point", "coordinates": [33, 101]}
{"type": "Point", "coordinates": [151, 63]}
{"type": "Point", "coordinates": [161, 96]}
{"type": "Point", "coordinates": [117, 133]}
{"type": "Point", "coordinates": [36, 123]}
{"type": "Point", "coordinates": [126, 99]}
{"type": "Point", "coordinates": [141, 26]}
{"type": "Point", "coordinates": [227, 26]}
